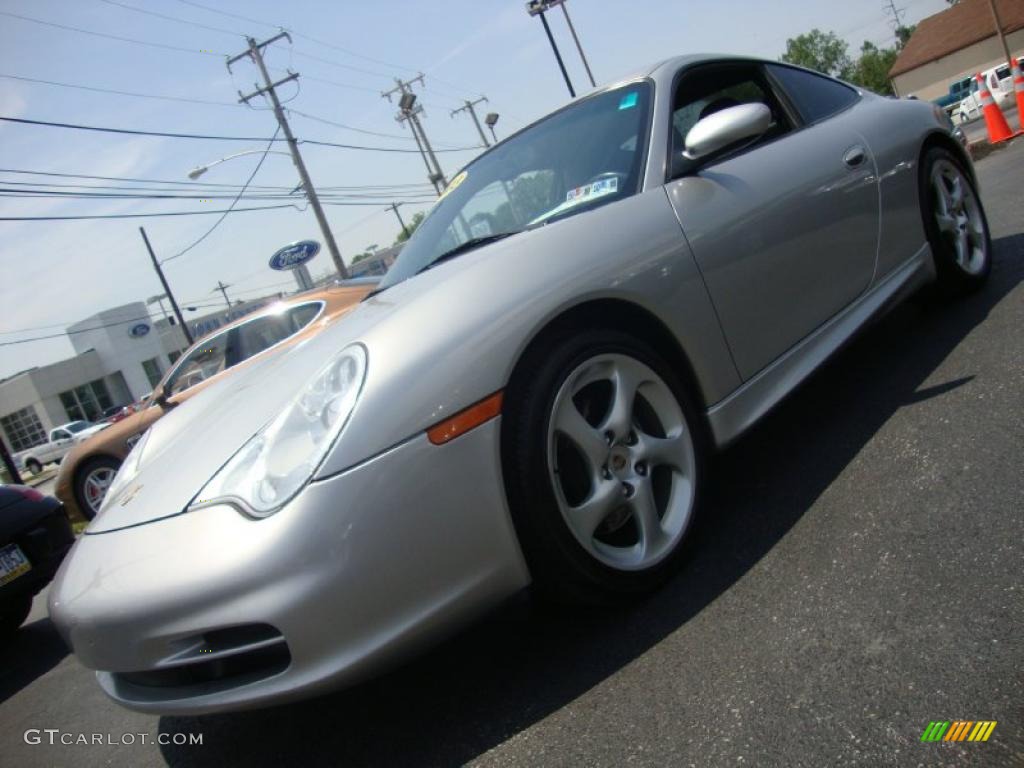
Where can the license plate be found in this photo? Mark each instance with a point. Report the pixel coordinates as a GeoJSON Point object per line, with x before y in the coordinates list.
{"type": "Point", "coordinates": [13, 563]}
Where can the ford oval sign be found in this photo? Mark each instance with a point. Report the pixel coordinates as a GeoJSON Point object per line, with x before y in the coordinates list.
{"type": "Point", "coordinates": [141, 329]}
{"type": "Point", "coordinates": [294, 255]}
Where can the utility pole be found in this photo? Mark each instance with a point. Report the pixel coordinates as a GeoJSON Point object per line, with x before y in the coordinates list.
{"type": "Point", "coordinates": [1002, 37]}
{"type": "Point", "coordinates": [410, 110]}
{"type": "Point", "coordinates": [468, 107]}
{"type": "Point", "coordinates": [394, 207]}
{"type": "Point", "coordinates": [223, 291]}
{"type": "Point", "coordinates": [897, 22]}
{"type": "Point", "coordinates": [255, 52]}
{"type": "Point", "coordinates": [167, 288]}
{"type": "Point", "coordinates": [537, 8]}
{"type": "Point", "coordinates": [586, 64]}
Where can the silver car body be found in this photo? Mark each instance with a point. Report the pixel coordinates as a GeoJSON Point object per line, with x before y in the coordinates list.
{"type": "Point", "coordinates": [758, 268]}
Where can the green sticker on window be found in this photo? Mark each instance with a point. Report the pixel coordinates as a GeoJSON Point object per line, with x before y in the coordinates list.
{"type": "Point", "coordinates": [629, 100]}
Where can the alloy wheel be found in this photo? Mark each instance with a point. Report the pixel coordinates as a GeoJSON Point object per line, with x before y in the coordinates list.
{"type": "Point", "coordinates": [621, 461]}
{"type": "Point", "coordinates": [958, 216]}
{"type": "Point", "coordinates": [96, 484]}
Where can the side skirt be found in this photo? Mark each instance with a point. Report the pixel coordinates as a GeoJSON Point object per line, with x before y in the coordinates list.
{"type": "Point", "coordinates": [730, 417]}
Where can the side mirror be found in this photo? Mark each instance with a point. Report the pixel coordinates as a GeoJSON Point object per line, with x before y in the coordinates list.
{"type": "Point", "coordinates": [160, 398]}
{"type": "Point", "coordinates": [746, 121]}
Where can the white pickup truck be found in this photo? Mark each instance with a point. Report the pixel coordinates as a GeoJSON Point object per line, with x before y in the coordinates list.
{"type": "Point", "coordinates": [1000, 84]}
{"type": "Point", "coordinates": [62, 439]}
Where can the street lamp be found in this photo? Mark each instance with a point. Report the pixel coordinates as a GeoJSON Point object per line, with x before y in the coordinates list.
{"type": "Point", "coordinates": [198, 171]}
{"type": "Point", "coordinates": [491, 120]}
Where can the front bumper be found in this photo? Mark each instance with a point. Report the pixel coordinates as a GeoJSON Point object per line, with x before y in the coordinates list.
{"type": "Point", "coordinates": [211, 611]}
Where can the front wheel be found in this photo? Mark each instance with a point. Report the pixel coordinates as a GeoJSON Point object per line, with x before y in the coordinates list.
{"type": "Point", "coordinates": [603, 454]}
{"type": "Point", "coordinates": [92, 482]}
{"type": "Point", "coordinates": [955, 223]}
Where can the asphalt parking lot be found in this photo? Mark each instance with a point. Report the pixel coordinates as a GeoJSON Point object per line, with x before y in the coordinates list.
{"type": "Point", "coordinates": [862, 574]}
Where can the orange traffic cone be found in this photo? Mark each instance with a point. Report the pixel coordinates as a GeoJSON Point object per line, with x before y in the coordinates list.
{"type": "Point", "coordinates": [1018, 90]}
{"type": "Point", "coordinates": [995, 120]}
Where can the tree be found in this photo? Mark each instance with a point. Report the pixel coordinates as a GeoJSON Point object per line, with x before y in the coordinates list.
{"type": "Point", "coordinates": [361, 256]}
{"type": "Point", "coordinates": [871, 70]}
{"type": "Point", "coordinates": [410, 227]}
{"type": "Point", "coordinates": [903, 35]}
{"type": "Point", "coordinates": [822, 51]}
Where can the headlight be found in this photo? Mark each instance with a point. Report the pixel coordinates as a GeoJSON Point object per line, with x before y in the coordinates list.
{"type": "Point", "coordinates": [279, 459]}
{"type": "Point", "coordinates": [127, 471]}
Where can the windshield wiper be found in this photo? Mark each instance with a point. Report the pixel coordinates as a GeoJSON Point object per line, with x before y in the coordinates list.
{"type": "Point", "coordinates": [469, 245]}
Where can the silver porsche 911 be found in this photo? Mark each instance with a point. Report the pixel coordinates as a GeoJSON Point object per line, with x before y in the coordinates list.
{"type": "Point", "coordinates": [533, 392]}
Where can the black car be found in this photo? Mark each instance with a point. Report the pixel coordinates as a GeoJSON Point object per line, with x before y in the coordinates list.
{"type": "Point", "coordinates": [35, 534]}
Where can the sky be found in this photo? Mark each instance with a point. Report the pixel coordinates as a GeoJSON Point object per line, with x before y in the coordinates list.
{"type": "Point", "coordinates": [55, 273]}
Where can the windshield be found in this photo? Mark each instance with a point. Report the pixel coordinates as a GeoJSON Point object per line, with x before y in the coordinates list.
{"type": "Point", "coordinates": [584, 156]}
{"type": "Point", "coordinates": [77, 426]}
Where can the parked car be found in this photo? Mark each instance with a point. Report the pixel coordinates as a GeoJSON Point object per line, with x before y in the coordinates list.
{"type": "Point", "coordinates": [61, 440]}
{"type": "Point", "coordinates": [118, 412]}
{"type": "Point", "coordinates": [88, 470]}
{"type": "Point", "coordinates": [532, 394]}
{"type": "Point", "coordinates": [958, 91]}
{"type": "Point", "coordinates": [1000, 84]}
{"type": "Point", "coordinates": [34, 537]}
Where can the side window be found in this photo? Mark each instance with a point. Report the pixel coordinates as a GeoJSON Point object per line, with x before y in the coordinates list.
{"type": "Point", "coordinates": [814, 96]}
{"type": "Point", "coordinates": [206, 360]}
{"type": "Point", "coordinates": [707, 90]}
{"type": "Point", "coordinates": [264, 332]}
{"type": "Point", "coordinates": [59, 434]}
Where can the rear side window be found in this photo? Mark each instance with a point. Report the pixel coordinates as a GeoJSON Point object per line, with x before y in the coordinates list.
{"type": "Point", "coordinates": [266, 331]}
{"type": "Point", "coordinates": [816, 97]}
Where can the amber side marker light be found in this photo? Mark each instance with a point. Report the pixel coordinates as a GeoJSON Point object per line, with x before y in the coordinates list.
{"type": "Point", "coordinates": [465, 420]}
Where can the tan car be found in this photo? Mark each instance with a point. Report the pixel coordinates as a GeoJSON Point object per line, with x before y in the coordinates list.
{"type": "Point", "coordinates": [89, 468]}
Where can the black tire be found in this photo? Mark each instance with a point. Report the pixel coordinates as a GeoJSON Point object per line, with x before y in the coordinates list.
{"type": "Point", "coordinates": [12, 614]}
{"type": "Point", "coordinates": [33, 466]}
{"type": "Point", "coordinates": [100, 462]}
{"type": "Point", "coordinates": [561, 568]}
{"type": "Point", "coordinates": [953, 279]}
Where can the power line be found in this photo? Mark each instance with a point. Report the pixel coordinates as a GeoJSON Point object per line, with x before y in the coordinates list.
{"type": "Point", "coordinates": [70, 28]}
{"type": "Point", "coordinates": [35, 194]}
{"type": "Point", "coordinates": [173, 18]}
{"type": "Point", "coordinates": [95, 89]}
{"type": "Point", "coordinates": [172, 135]}
{"type": "Point", "coordinates": [234, 202]}
{"type": "Point", "coordinates": [189, 183]}
{"type": "Point", "coordinates": [158, 214]}
{"type": "Point", "coordinates": [325, 121]}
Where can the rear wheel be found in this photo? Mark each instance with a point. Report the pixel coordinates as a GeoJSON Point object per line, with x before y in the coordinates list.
{"type": "Point", "coordinates": [603, 455]}
{"type": "Point", "coordinates": [92, 482]}
{"type": "Point", "coordinates": [955, 223]}
{"type": "Point", "coordinates": [33, 466]}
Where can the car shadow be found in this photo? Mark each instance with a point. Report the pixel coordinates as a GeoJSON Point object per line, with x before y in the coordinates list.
{"type": "Point", "coordinates": [30, 653]}
{"type": "Point", "coordinates": [523, 662]}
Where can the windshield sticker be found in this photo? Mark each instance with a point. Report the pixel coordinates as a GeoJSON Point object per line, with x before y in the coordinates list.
{"type": "Point", "coordinates": [629, 100]}
{"type": "Point", "coordinates": [454, 184]}
{"type": "Point", "coordinates": [591, 191]}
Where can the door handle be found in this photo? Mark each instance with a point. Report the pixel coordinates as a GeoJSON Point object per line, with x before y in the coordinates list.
{"type": "Point", "coordinates": [854, 156]}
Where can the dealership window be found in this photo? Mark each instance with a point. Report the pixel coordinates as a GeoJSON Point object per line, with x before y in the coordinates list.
{"type": "Point", "coordinates": [172, 356]}
{"type": "Point", "coordinates": [87, 402]}
{"type": "Point", "coordinates": [23, 428]}
{"type": "Point", "coordinates": [152, 369]}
